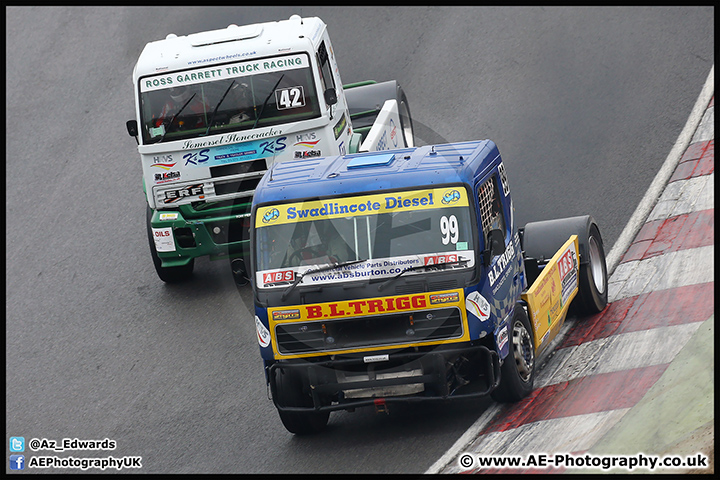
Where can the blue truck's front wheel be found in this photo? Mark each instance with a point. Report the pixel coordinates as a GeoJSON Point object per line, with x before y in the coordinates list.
{"type": "Point", "coordinates": [290, 388]}
{"type": "Point", "coordinates": [517, 373]}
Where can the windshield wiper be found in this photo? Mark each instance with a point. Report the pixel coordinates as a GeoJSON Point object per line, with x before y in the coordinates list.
{"type": "Point", "coordinates": [462, 261]}
{"type": "Point", "coordinates": [257, 119]}
{"type": "Point", "coordinates": [212, 117]}
{"type": "Point", "coordinates": [172, 120]}
{"type": "Point", "coordinates": [325, 268]}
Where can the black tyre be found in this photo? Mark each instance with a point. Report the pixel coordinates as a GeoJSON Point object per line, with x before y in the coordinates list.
{"type": "Point", "coordinates": [542, 239]}
{"type": "Point", "coordinates": [593, 294]}
{"type": "Point", "coordinates": [406, 125]}
{"type": "Point", "coordinates": [517, 373]}
{"type": "Point", "coordinates": [167, 274]}
{"type": "Point", "coordinates": [291, 392]}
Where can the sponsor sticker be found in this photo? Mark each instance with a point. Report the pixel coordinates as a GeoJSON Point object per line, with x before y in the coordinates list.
{"type": "Point", "coordinates": [263, 334]}
{"type": "Point", "coordinates": [478, 306]}
{"type": "Point", "coordinates": [164, 240]}
{"type": "Point", "coordinates": [501, 337]}
{"type": "Point", "coordinates": [168, 216]}
{"type": "Point", "coordinates": [363, 205]}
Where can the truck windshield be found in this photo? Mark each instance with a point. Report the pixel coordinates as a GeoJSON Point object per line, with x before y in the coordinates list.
{"type": "Point", "coordinates": [227, 98]}
{"type": "Point", "coordinates": [390, 232]}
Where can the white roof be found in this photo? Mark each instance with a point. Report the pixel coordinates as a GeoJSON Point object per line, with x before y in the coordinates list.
{"type": "Point", "coordinates": [234, 43]}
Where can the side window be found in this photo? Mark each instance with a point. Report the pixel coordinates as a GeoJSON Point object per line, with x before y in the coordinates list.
{"type": "Point", "coordinates": [491, 212]}
{"type": "Point", "coordinates": [326, 76]}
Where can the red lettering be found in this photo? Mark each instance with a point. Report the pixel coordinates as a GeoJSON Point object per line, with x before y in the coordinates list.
{"type": "Point", "coordinates": [419, 302]}
{"type": "Point", "coordinates": [357, 306]}
{"type": "Point", "coordinates": [334, 311]}
{"type": "Point", "coordinates": [403, 303]}
{"type": "Point", "coordinates": [313, 311]}
{"type": "Point", "coordinates": [565, 264]}
{"type": "Point", "coordinates": [389, 304]}
{"type": "Point", "coordinates": [375, 305]}
{"type": "Point", "coordinates": [435, 259]}
{"type": "Point", "coordinates": [281, 276]}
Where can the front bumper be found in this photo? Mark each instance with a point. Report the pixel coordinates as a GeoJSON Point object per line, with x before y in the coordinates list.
{"type": "Point", "coordinates": [218, 233]}
{"type": "Point", "coordinates": [430, 369]}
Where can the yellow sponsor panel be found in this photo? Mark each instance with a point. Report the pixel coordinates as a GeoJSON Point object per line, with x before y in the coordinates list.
{"type": "Point", "coordinates": [361, 205]}
{"type": "Point", "coordinates": [549, 297]}
{"type": "Point", "coordinates": [367, 307]}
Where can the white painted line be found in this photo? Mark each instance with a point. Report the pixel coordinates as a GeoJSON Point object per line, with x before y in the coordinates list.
{"type": "Point", "coordinates": [671, 270]}
{"type": "Point", "coordinates": [685, 196]}
{"type": "Point", "coordinates": [466, 439]}
{"type": "Point", "coordinates": [557, 435]}
{"type": "Point", "coordinates": [706, 130]}
{"type": "Point", "coordinates": [618, 353]}
{"type": "Point", "coordinates": [661, 179]}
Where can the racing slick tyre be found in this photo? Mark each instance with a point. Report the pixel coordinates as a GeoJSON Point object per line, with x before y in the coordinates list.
{"type": "Point", "coordinates": [290, 393]}
{"type": "Point", "coordinates": [167, 274]}
{"type": "Point", "coordinates": [517, 373]}
{"type": "Point", "coordinates": [593, 276]}
{"type": "Point", "coordinates": [541, 240]}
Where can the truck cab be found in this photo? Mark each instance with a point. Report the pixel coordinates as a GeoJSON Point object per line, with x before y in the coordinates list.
{"type": "Point", "coordinates": [400, 277]}
{"type": "Point", "coordinates": [215, 110]}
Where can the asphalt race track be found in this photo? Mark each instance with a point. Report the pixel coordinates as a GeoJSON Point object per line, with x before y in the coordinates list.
{"type": "Point", "coordinates": [584, 104]}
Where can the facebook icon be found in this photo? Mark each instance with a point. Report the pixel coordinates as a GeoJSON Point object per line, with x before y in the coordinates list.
{"type": "Point", "coordinates": [17, 462]}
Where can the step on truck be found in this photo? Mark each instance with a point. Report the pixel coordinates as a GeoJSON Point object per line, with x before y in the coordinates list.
{"type": "Point", "coordinates": [401, 277]}
{"type": "Point", "coordinates": [216, 109]}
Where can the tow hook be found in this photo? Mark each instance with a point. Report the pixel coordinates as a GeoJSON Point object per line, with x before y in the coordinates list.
{"type": "Point", "coordinates": [381, 406]}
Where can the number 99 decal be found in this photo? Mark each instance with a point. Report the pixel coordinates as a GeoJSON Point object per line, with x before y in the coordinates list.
{"type": "Point", "coordinates": [449, 229]}
{"type": "Point", "coordinates": [291, 97]}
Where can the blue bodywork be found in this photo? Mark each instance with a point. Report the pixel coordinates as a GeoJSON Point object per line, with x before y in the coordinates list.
{"type": "Point", "coordinates": [466, 163]}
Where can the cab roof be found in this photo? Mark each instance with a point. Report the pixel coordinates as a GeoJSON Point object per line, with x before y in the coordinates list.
{"type": "Point", "coordinates": [234, 43]}
{"type": "Point", "coordinates": [377, 171]}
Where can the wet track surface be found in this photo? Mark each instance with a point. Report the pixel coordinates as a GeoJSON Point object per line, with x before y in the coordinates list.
{"type": "Point", "coordinates": [584, 105]}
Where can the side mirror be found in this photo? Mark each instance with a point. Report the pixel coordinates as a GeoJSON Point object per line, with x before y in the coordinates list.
{"type": "Point", "coordinates": [495, 246]}
{"type": "Point", "coordinates": [330, 96]}
{"type": "Point", "coordinates": [132, 128]}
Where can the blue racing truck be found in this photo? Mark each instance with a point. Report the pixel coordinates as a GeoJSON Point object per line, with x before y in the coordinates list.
{"type": "Point", "coordinates": [401, 276]}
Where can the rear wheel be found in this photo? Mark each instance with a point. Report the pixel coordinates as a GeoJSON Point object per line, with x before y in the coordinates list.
{"type": "Point", "coordinates": [517, 373]}
{"type": "Point", "coordinates": [290, 393]}
{"type": "Point", "coordinates": [167, 274]}
{"type": "Point", "coordinates": [593, 276]}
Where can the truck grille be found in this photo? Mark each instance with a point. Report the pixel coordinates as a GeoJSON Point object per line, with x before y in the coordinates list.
{"type": "Point", "coordinates": [373, 331]}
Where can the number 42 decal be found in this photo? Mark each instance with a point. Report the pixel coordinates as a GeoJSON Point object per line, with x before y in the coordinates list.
{"type": "Point", "coordinates": [291, 97]}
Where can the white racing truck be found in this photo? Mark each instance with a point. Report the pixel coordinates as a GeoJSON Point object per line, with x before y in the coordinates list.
{"type": "Point", "coordinates": [215, 110]}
